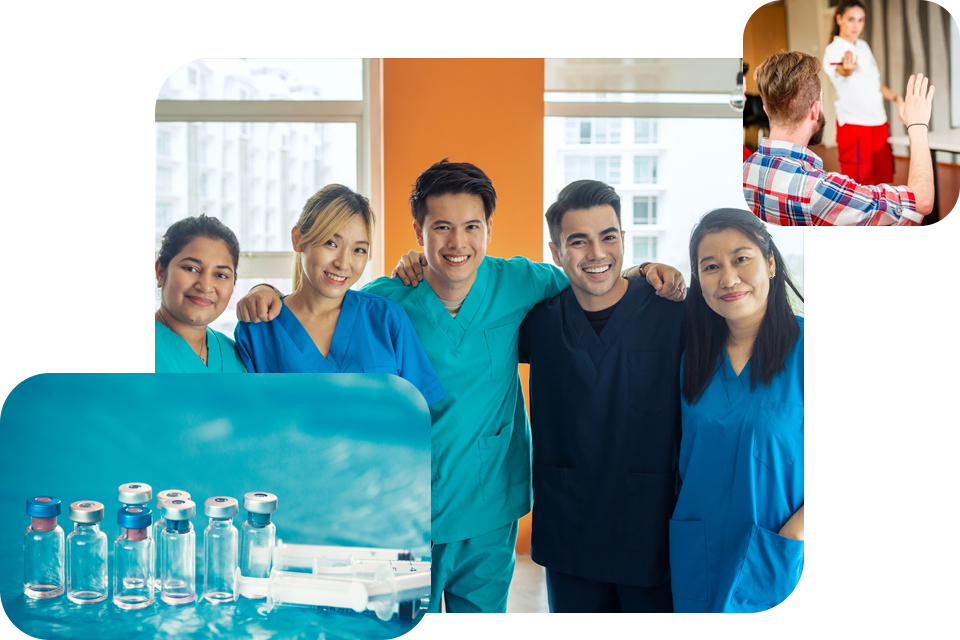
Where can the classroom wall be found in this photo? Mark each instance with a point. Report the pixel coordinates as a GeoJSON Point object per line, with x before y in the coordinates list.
{"type": "Point", "coordinates": [488, 112]}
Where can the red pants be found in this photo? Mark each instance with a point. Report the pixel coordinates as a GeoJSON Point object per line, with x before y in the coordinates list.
{"type": "Point", "coordinates": [865, 155]}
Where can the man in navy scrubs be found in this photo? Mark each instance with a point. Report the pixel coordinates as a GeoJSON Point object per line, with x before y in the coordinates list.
{"type": "Point", "coordinates": [605, 417]}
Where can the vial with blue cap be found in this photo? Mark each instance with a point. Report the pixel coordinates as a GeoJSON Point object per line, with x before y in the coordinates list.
{"type": "Point", "coordinates": [258, 534]}
{"type": "Point", "coordinates": [135, 494]}
{"type": "Point", "coordinates": [220, 549]}
{"type": "Point", "coordinates": [87, 554]}
{"type": "Point", "coordinates": [159, 525]}
{"type": "Point", "coordinates": [43, 549]}
{"type": "Point", "coordinates": [178, 549]}
{"type": "Point", "coordinates": [133, 571]}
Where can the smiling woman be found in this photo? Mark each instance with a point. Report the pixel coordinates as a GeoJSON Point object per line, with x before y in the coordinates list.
{"type": "Point", "coordinates": [196, 271]}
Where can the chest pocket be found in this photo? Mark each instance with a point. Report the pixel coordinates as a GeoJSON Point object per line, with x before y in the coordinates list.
{"type": "Point", "coordinates": [502, 348]}
{"type": "Point", "coordinates": [779, 434]}
{"type": "Point", "coordinates": [649, 384]}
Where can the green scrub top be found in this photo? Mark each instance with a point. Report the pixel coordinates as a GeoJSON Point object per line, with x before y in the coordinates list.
{"type": "Point", "coordinates": [172, 354]}
{"type": "Point", "coordinates": [480, 436]}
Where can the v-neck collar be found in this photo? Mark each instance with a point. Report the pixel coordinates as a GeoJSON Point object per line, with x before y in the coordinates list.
{"type": "Point", "coordinates": [598, 345]}
{"type": "Point", "coordinates": [454, 328]}
{"type": "Point", "coordinates": [214, 355]}
{"type": "Point", "coordinates": [339, 343]}
{"type": "Point", "coordinates": [735, 385]}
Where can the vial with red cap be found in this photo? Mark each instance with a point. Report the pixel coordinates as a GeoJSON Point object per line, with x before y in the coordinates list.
{"type": "Point", "coordinates": [43, 549]}
{"type": "Point", "coordinates": [133, 570]}
{"type": "Point", "coordinates": [87, 554]}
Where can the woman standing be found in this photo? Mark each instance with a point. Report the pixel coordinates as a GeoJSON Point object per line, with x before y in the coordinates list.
{"type": "Point", "coordinates": [196, 272]}
{"type": "Point", "coordinates": [862, 130]}
{"type": "Point", "coordinates": [736, 537]}
{"type": "Point", "coordinates": [326, 327]}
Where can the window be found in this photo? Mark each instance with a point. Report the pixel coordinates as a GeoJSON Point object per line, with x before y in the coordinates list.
{"type": "Point", "coordinates": [644, 130]}
{"type": "Point", "coordinates": [645, 210]}
{"type": "Point", "coordinates": [645, 169]}
{"type": "Point", "coordinates": [593, 131]}
{"type": "Point", "coordinates": [254, 163]}
{"type": "Point", "coordinates": [603, 168]}
{"type": "Point", "coordinates": [644, 249]}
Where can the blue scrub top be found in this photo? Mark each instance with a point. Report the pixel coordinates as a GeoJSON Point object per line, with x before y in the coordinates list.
{"type": "Point", "coordinates": [373, 335]}
{"type": "Point", "coordinates": [480, 437]}
{"type": "Point", "coordinates": [172, 354]}
{"type": "Point", "coordinates": [605, 419]}
{"type": "Point", "coordinates": [741, 467]}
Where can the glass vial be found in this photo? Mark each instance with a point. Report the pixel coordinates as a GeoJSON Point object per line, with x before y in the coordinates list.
{"type": "Point", "coordinates": [258, 533]}
{"type": "Point", "coordinates": [135, 494]}
{"type": "Point", "coordinates": [133, 575]}
{"type": "Point", "coordinates": [178, 552]}
{"type": "Point", "coordinates": [87, 554]}
{"type": "Point", "coordinates": [220, 549]}
{"type": "Point", "coordinates": [159, 524]}
{"type": "Point", "coordinates": [43, 549]}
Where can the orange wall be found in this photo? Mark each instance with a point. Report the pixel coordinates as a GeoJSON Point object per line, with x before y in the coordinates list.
{"type": "Point", "coordinates": [488, 112]}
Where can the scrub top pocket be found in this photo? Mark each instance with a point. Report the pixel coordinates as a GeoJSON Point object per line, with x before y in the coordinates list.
{"type": "Point", "coordinates": [556, 506]}
{"type": "Point", "coordinates": [649, 387]}
{"type": "Point", "coordinates": [502, 347]}
{"type": "Point", "coordinates": [771, 570]}
{"type": "Point", "coordinates": [779, 434]}
{"type": "Point", "coordinates": [688, 560]}
{"type": "Point", "coordinates": [496, 470]}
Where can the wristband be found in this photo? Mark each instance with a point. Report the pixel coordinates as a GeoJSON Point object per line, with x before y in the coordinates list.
{"type": "Point", "coordinates": [642, 267]}
{"type": "Point", "coordinates": [917, 124]}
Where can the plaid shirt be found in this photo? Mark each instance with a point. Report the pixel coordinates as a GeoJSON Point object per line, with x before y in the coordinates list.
{"type": "Point", "coordinates": [785, 184]}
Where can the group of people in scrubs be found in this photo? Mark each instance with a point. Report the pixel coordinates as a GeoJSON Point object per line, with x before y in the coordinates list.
{"type": "Point", "coordinates": [646, 495]}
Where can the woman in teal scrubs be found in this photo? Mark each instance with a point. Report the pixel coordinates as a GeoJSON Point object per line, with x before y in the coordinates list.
{"type": "Point", "coordinates": [736, 537]}
{"type": "Point", "coordinates": [196, 272]}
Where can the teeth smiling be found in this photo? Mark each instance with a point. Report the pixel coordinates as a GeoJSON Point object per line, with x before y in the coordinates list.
{"type": "Point", "coordinates": [456, 259]}
{"type": "Point", "coordinates": [597, 269]}
{"type": "Point", "coordinates": [337, 278]}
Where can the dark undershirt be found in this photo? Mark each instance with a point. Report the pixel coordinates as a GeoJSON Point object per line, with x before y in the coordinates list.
{"type": "Point", "coordinates": [598, 319]}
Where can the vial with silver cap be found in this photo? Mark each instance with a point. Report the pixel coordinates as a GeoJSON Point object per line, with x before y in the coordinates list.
{"type": "Point", "coordinates": [133, 571]}
{"type": "Point", "coordinates": [159, 525]}
{"type": "Point", "coordinates": [178, 552]}
{"type": "Point", "coordinates": [256, 544]}
{"type": "Point", "coordinates": [220, 549]}
{"type": "Point", "coordinates": [87, 554]}
{"type": "Point", "coordinates": [43, 549]}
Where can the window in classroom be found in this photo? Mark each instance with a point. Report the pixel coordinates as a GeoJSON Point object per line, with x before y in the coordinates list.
{"type": "Point", "coordinates": [603, 168]}
{"type": "Point", "coordinates": [592, 131]}
{"type": "Point", "coordinates": [644, 130]}
{"type": "Point", "coordinates": [645, 169]}
{"type": "Point", "coordinates": [644, 249]}
{"type": "Point", "coordinates": [163, 143]}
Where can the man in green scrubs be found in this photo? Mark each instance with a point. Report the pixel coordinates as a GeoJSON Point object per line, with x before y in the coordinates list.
{"type": "Point", "coordinates": [467, 313]}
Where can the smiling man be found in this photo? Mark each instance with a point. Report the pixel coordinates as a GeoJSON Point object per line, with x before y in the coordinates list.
{"type": "Point", "coordinates": [605, 415]}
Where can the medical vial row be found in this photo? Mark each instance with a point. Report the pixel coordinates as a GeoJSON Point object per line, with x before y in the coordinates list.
{"type": "Point", "coordinates": [161, 557]}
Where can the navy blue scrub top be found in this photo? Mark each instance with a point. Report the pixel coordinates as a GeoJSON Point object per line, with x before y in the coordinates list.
{"type": "Point", "coordinates": [605, 419]}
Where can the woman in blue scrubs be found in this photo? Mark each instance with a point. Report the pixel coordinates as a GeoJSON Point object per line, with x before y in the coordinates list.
{"type": "Point", "coordinates": [196, 272]}
{"type": "Point", "coordinates": [326, 327]}
{"type": "Point", "coordinates": [736, 537]}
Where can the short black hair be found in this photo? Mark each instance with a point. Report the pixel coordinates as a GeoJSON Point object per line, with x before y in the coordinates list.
{"type": "Point", "coordinates": [180, 233]}
{"type": "Point", "coordinates": [706, 330]}
{"type": "Point", "coordinates": [446, 177]}
{"type": "Point", "coordinates": [581, 194]}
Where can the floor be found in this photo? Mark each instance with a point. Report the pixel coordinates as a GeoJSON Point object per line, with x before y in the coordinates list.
{"type": "Point", "coordinates": [528, 591]}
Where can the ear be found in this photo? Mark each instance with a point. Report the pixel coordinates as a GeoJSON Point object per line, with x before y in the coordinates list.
{"type": "Point", "coordinates": [417, 229]}
{"type": "Point", "coordinates": [159, 270]}
{"type": "Point", "coordinates": [556, 255]}
{"type": "Point", "coordinates": [623, 238]}
{"type": "Point", "coordinates": [771, 267]}
{"type": "Point", "coordinates": [295, 239]}
{"type": "Point", "coordinates": [489, 229]}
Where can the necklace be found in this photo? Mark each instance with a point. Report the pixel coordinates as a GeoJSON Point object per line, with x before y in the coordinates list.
{"type": "Point", "coordinates": [203, 347]}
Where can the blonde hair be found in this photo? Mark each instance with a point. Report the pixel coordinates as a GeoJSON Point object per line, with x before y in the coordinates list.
{"type": "Point", "coordinates": [789, 85]}
{"type": "Point", "coordinates": [325, 213]}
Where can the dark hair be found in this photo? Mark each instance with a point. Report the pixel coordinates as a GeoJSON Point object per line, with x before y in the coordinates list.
{"type": "Point", "coordinates": [580, 194]}
{"type": "Point", "coordinates": [451, 178]}
{"type": "Point", "coordinates": [842, 9]}
{"type": "Point", "coordinates": [180, 233]}
{"type": "Point", "coordinates": [706, 330]}
{"type": "Point", "coordinates": [789, 84]}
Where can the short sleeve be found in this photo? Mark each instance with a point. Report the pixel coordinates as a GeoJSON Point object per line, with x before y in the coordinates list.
{"type": "Point", "coordinates": [412, 361]}
{"type": "Point", "coordinates": [244, 344]}
{"type": "Point", "coordinates": [546, 279]}
{"type": "Point", "coordinates": [838, 200]}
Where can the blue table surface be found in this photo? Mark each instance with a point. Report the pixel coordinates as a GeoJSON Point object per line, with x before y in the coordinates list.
{"type": "Point", "coordinates": [348, 456]}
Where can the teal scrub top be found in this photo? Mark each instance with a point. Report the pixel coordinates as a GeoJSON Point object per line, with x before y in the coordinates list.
{"type": "Point", "coordinates": [172, 354]}
{"type": "Point", "coordinates": [480, 437]}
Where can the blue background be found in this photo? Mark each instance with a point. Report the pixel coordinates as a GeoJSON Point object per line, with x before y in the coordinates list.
{"type": "Point", "coordinates": [348, 456]}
